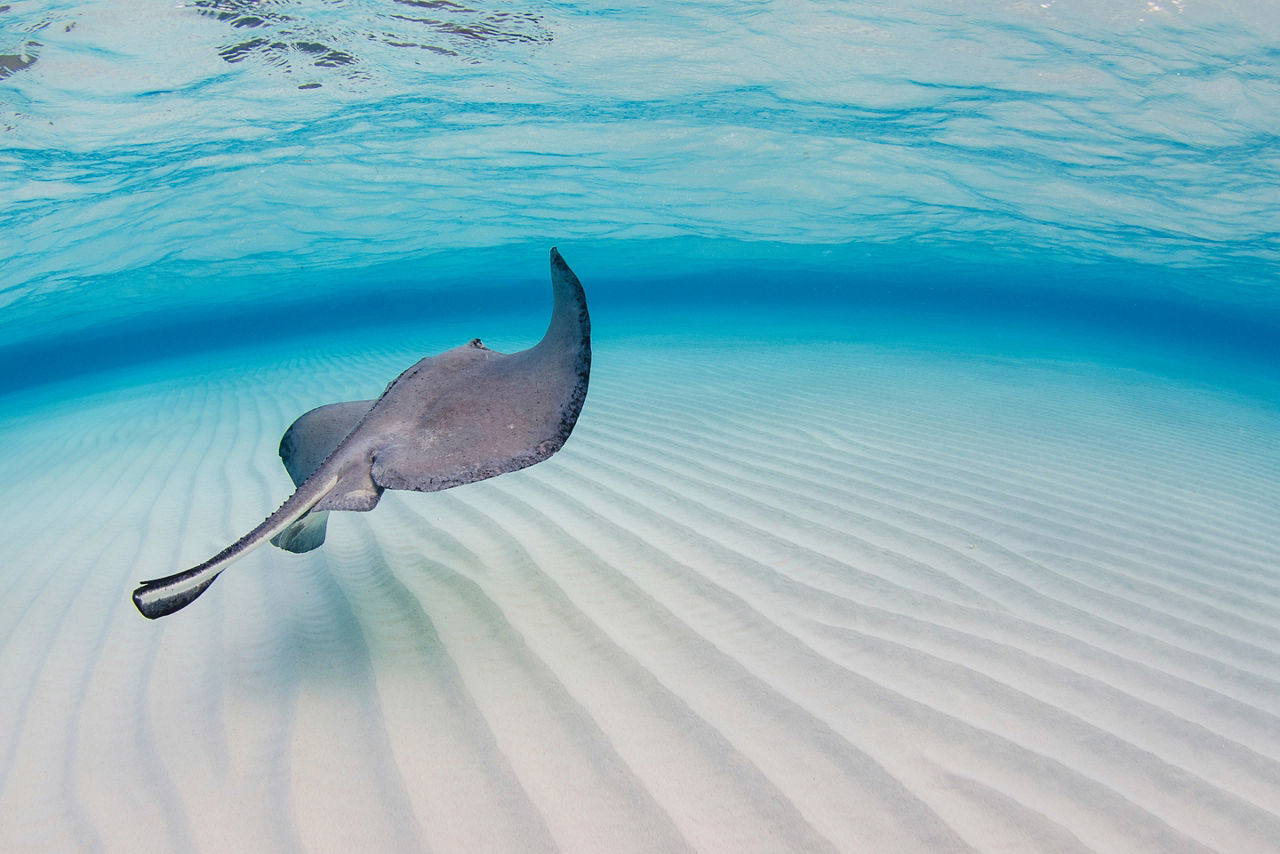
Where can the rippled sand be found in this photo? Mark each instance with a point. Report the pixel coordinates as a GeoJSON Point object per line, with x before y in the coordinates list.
{"type": "Point", "coordinates": [770, 597]}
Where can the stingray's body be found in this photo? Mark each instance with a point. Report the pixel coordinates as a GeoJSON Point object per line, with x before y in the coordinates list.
{"type": "Point", "coordinates": [467, 414]}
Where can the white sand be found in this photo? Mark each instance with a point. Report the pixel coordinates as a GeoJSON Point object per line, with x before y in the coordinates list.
{"type": "Point", "coordinates": [784, 598]}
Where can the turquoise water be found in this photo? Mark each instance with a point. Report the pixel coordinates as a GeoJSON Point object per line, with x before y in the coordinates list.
{"type": "Point", "coordinates": [219, 164]}
{"type": "Point", "coordinates": [926, 494]}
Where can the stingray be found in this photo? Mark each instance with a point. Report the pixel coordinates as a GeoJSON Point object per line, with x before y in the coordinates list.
{"type": "Point", "coordinates": [468, 414]}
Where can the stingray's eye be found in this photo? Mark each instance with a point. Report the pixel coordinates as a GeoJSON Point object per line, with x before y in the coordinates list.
{"type": "Point", "coordinates": [476, 342]}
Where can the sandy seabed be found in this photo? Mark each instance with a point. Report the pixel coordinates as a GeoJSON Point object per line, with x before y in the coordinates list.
{"type": "Point", "coordinates": [771, 597]}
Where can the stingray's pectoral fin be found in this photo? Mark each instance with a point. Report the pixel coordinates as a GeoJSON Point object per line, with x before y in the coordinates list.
{"type": "Point", "coordinates": [308, 442]}
{"type": "Point", "coordinates": [163, 596]}
{"type": "Point", "coordinates": [305, 534]}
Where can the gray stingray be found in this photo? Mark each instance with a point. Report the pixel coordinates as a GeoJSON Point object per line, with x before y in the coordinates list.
{"type": "Point", "coordinates": [467, 414]}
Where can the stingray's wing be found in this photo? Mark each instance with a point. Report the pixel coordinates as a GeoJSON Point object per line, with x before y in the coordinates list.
{"type": "Point", "coordinates": [305, 445]}
{"type": "Point", "coordinates": [497, 415]}
{"type": "Point", "coordinates": [441, 455]}
{"type": "Point", "coordinates": [313, 436]}
{"type": "Point", "coordinates": [509, 412]}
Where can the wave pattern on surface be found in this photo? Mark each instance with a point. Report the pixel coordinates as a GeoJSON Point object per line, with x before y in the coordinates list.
{"type": "Point", "coordinates": [769, 597]}
{"type": "Point", "coordinates": [287, 36]}
{"type": "Point", "coordinates": [135, 153]}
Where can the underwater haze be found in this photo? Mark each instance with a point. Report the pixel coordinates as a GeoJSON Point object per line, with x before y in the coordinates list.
{"type": "Point", "coordinates": [926, 496]}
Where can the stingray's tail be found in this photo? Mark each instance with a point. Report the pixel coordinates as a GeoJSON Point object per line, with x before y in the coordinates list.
{"type": "Point", "coordinates": [163, 596]}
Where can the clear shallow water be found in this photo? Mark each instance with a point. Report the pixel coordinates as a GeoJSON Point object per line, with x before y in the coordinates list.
{"type": "Point", "coordinates": [773, 595]}
{"type": "Point", "coordinates": [156, 161]}
{"type": "Point", "coordinates": [925, 498]}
